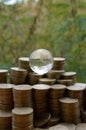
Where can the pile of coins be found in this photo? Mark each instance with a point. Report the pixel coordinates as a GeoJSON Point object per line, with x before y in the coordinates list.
{"type": "Point", "coordinates": [70, 111]}
{"type": "Point", "coordinates": [54, 97]}
{"type": "Point", "coordinates": [23, 62]}
{"type": "Point", "coordinates": [22, 96]}
{"type": "Point", "coordinates": [5, 120]}
{"type": "Point", "coordinates": [3, 76]}
{"type": "Point", "coordinates": [22, 118]}
{"type": "Point", "coordinates": [59, 63]}
{"type": "Point", "coordinates": [56, 91]}
{"type": "Point", "coordinates": [40, 99]}
{"type": "Point", "coordinates": [18, 75]}
{"type": "Point", "coordinates": [6, 96]}
{"type": "Point", "coordinates": [76, 91]}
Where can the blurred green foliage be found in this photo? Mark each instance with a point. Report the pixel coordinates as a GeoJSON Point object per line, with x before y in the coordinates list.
{"type": "Point", "coordinates": [56, 25]}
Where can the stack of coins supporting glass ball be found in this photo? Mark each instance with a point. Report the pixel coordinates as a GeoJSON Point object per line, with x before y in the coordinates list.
{"type": "Point", "coordinates": [29, 99]}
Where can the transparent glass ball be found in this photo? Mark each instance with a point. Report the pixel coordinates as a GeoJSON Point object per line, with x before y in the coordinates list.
{"type": "Point", "coordinates": [41, 61]}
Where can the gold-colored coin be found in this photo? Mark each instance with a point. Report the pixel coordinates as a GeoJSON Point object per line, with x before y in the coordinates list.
{"type": "Point", "coordinates": [48, 81]}
{"type": "Point", "coordinates": [59, 63]}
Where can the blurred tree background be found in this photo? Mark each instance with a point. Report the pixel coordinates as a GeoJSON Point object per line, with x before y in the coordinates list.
{"type": "Point", "coordinates": [56, 25]}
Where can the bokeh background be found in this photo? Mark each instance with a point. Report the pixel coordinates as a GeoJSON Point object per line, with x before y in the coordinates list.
{"type": "Point", "coordinates": [56, 25]}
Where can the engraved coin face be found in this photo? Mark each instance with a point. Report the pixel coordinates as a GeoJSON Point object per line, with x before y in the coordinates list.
{"type": "Point", "coordinates": [41, 61]}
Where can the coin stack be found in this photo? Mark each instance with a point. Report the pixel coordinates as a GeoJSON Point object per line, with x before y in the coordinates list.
{"type": "Point", "coordinates": [59, 63]}
{"type": "Point", "coordinates": [3, 76]}
{"type": "Point", "coordinates": [70, 111]}
{"type": "Point", "coordinates": [22, 96]}
{"type": "Point", "coordinates": [40, 100]}
{"type": "Point", "coordinates": [22, 118]}
{"type": "Point", "coordinates": [33, 78]}
{"type": "Point", "coordinates": [69, 75]}
{"type": "Point", "coordinates": [23, 63]}
{"type": "Point", "coordinates": [56, 91]}
{"type": "Point", "coordinates": [67, 82]}
{"type": "Point", "coordinates": [5, 120]}
{"type": "Point", "coordinates": [18, 75]}
{"type": "Point", "coordinates": [6, 96]}
{"type": "Point", "coordinates": [76, 91]}
{"type": "Point", "coordinates": [47, 81]}
{"type": "Point", "coordinates": [56, 74]}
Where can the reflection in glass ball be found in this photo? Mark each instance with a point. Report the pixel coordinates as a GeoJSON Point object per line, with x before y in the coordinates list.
{"type": "Point", "coordinates": [41, 61]}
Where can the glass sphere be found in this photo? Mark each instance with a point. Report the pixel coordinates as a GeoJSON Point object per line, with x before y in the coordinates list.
{"type": "Point", "coordinates": [41, 61]}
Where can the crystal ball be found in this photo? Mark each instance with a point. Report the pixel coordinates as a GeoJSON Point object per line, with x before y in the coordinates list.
{"type": "Point", "coordinates": [41, 61]}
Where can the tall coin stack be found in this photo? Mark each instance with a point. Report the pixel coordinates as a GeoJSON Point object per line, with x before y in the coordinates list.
{"type": "Point", "coordinates": [23, 63]}
{"type": "Point", "coordinates": [22, 118]}
{"type": "Point", "coordinates": [70, 112]}
{"type": "Point", "coordinates": [76, 91]}
{"type": "Point", "coordinates": [56, 91]}
{"type": "Point", "coordinates": [6, 97]}
{"type": "Point", "coordinates": [3, 76]}
{"type": "Point", "coordinates": [5, 120]}
{"type": "Point", "coordinates": [40, 100]}
{"type": "Point", "coordinates": [18, 75]}
{"type": "Point", "coordinates": [22, 96]}
{"type": "Point", "coordinates": [59, 63]}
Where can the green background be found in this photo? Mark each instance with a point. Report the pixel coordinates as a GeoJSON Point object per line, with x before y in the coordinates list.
{"type": "Point", "coordinates": [56, 25]}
